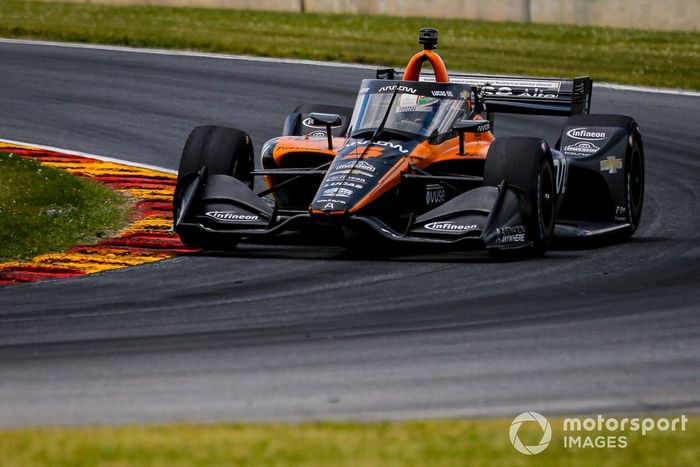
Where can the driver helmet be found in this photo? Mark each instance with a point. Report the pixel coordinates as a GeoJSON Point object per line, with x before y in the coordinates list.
{"type": "Point", "coordinates": [416, 110]}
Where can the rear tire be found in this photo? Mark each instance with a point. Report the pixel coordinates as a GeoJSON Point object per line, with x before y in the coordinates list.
{"type": "Point", "coordinates": [526, 163]}
{"type": "Point", "coordinates": [634, 182]}
{"type": "Point", "coordinates": [224, 151]}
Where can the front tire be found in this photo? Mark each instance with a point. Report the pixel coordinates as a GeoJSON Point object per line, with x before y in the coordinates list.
{"type": "Point", "coordinates": [526, 163]}
{"type": "Point", "coordinates": [224, 151]}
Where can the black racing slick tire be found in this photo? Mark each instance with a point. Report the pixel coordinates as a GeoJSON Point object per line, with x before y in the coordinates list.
{"type": "Point", "coordinates": [526, 163]}
{"type": "Point", "coordinates": [224, 151]}
{"type": "Point", "coordinates": [634, 162]}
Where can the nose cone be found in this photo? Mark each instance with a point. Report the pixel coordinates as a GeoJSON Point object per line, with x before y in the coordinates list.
{"type": "Point", "coordinates": [346, 183]}
{"type": "Point", "coordinates": [358, 169]}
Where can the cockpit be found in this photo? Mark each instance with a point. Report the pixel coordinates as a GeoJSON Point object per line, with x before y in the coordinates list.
{"type": "Point", "coordinates": [409, 108]}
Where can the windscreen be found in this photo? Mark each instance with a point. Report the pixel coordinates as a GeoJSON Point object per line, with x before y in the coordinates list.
{"type": "Point", "coordinates": [416, 109]}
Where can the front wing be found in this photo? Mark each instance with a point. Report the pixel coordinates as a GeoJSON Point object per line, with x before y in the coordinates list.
{"type": "Point", "coordinates": [495, 218]}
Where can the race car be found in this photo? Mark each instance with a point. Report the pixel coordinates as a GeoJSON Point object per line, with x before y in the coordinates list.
{"type": "Point", "coordinates": [416, 160]}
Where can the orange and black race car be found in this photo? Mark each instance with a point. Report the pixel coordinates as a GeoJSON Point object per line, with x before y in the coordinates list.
{"type": "Point", "coordinates": [416, 161]}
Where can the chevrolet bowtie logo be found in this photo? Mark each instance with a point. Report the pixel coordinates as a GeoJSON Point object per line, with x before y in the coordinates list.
{"type": "Point", "coordinates": [612, 164]}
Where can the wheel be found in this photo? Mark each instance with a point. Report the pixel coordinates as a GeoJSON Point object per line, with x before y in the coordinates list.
{"type": "Point", "coordinates": [634, 183]}
{"type": "Point", "coordinates": [224, 151]}
{"type": "Point", "coordinates": [526, 163]}
{"type": "Point", "coordinates": [634, 162]}
{"type": "Point", "coordinates": [197, 239]}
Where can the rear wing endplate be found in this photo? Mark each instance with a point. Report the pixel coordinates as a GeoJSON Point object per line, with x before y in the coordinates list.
{"type": "Point", "coordinates": [519, 95]}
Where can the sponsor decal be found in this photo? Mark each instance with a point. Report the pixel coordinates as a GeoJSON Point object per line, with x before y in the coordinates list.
{"type": "Point", "coordinates": [343, 192]}
{"type": "Point", "coordinates": [561, 167]}
{"type": "Point", "coordinates": [228, 216]}
{"type": "Point", "coordinates": [587, 134]}
{"type": "Point", "coordinates": [299, 148]}
{"type": "Point", "coordinates": [515, 234]}
{"type": "Point", "coordinates": [449, 227]}
{"type": "Point", "coordinates": [346, 178]}
{"type": "Point", "coordinates": [536, 92]}
{"type": "Point", "coordinates": [434, 194]}
{"type": "Point", "coordinates": [361, 165]}
{"type": "Point", "coordinates": [446, 93]}
{"type": "Point", "coordinates": [308, 122]}
{"type": "Point", "coordinates": [611, 164]}
{"type": "Point", "coordinates": [581, 147]}
{"type": "Point", "coordinates": [542, 85]}
{"type": "Point", "coordinates": [483, 128]}
{"type": "Point", "coordinates": [402, 88]}
{"type": "Point", "coordinates": [386, 144]}
{"type": "Point", "coordinates": [329, 206]}
{"type": "Point", "coordinates": [317, 134]}
{"type": "Point", "coordinates": [338, 174]}
{"type": "Point", "coordinates": [348, 184]}
{"type": "Point", "coordinates": [507, 91]}
{"type": "Point", "coordinates": [352, 178]}
{"type": "Point", "coordinates": [329, 200]}
{"type": "Point", "coordinates": [620, 213]}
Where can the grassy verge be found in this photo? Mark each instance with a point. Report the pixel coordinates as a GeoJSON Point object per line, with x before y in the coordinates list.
{"type": "Point", "coordinates": [666, 59]}
{"type": "Point", "coordinates": [43, 209]}
{"type": "Point", "coordinates": [435, 443]}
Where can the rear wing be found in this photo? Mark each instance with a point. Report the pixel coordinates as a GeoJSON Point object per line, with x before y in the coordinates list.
{"type": "Point", "coordinates": [519, 95]}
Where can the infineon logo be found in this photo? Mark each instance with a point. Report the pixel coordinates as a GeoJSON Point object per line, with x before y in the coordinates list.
{"type": "Point", "coordinates": [449, 227]}
{"type": "Point", "coordinates": [585, 133]}
{"type": "Point", "coordinates": [227, 216]}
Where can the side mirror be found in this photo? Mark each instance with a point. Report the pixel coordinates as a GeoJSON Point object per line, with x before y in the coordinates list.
{"type": "Point", "coordinates": [470, 126]}
{"type": "Point", "coordinates": [329, 120]}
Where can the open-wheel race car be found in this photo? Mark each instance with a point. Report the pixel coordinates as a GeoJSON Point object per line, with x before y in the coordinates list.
{"type": "Point", "coordinates": [416, 161]}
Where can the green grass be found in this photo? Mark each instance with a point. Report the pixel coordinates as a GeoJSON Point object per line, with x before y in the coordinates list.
{"type": "Point", "coordinates": [666, 59]}
{"type": "Point", "coordinates": [43, 209]}
{"type": "Point", "coordinates": [434, 443]}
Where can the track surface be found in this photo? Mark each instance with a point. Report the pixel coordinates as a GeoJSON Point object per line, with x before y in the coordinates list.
{"type": "Point", "coordinates": [295, 332]}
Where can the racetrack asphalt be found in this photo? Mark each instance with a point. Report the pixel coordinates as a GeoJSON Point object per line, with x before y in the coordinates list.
{"type": "Point", "coordinates": [293, 332]}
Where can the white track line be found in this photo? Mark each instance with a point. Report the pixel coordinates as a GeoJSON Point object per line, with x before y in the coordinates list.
{"type": "Point", "coordinates": [90, 156]}
{"type": "Point", "coordinates": [184, 53]}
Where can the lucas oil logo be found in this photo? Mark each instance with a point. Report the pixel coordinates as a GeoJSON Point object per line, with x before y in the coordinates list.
{"type": "Point", "coordinates": [227, 216]}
